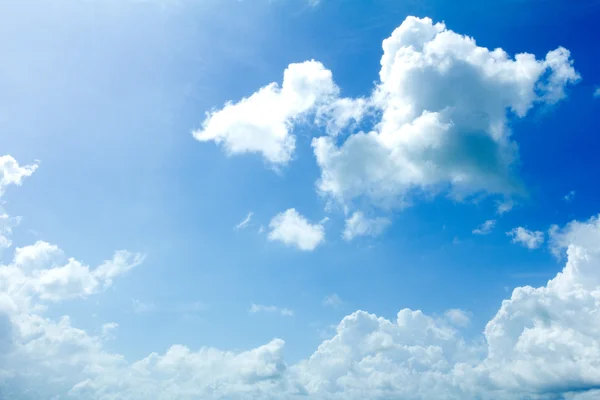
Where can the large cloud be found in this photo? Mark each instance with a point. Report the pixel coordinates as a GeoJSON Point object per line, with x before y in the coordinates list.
{"type": "Point", "coordinates": [445, 105]}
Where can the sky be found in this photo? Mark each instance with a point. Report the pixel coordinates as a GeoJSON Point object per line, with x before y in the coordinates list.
{"type": "Point", "coordinates": [280, 199]}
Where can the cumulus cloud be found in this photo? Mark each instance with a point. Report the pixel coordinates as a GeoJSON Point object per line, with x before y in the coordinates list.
{"type": "Point", "coordinates": [445, 105]}
{"type": "Point", "coordinates": [530, 239]}
{"type": "Point", "coordinates": [263, 123]}
{"type": "Point", "coordinates": [359, 225]}
{"type": "Point", "coordinates": [485, 228]}
{"type": "Point", "coordinates": [258, 308]}
{"type": "Point", "coordinates": [293, 229]}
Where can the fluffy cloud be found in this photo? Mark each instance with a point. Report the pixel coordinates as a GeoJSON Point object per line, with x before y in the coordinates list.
{"type": "Point", "coordinates": [37, 272]}
{"type": "Point", "coordinates": [293, 229]}
{"type": "Point", "coordinates": [263, 122]}
{"type": "Point", "coordinates": [11, 173]}
{"type": "Point", "coordinates": [359, 225]}
{"type": "Point", "coordinates": [258, 308]}
{"type": "Point", "coordinates": [597, 93]}
{"type": "Point", "coordinates": [485, 228]}
{"type": "Point", "coordinates": [530, 239]}
{"type": "Point", "coordinates": [445, 105]}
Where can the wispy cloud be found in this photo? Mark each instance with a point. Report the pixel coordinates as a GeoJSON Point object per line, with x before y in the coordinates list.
{"type": "Point", "coordinates": [258, 308]}
{"type": "Point", "coordinates": [569, 196]}
{"type": "Point", "coordinates": [333, 300]}
{"type": "Point", "coordinates": [530, 239]}
{"type": "Point", "coordinates": [244, 223]}
{"type": "Point", "coordinates": [485, 228]}
{"type": "Point", "coordinates": [597, 93]}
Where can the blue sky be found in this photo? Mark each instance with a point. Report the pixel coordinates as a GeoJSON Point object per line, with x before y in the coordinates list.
{"type": "Point", "coordinates": [104, 97]}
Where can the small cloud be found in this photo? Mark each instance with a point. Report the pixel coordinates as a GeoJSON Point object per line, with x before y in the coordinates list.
{"type": "Point", "coordinates": [258, 308]}
{"type": "Point", "coordinates": [485, 228]}
{"type": "Point", "coordinates": [569, 196]}
{"type": "Point", "coordinates": [359, 225]}
{"type": "Point", "coordinates": [291, 228]}
{"type": "Point", "coordinates": [456, 240]}
{"type": "Point", "coordinates": [108, 328]}
{"type": "Point", "coordinates": [140, 307]}
{"type": "Point", "coordinates": [333, 300]}
{"type": "Point", "coordinates": [458, 317]}
{"type": "Point", "coordinates": [244, 223]}
{"type": "Point", "coordinates": [261, 229]}
{"type": "Point", "coordinates": [530, 239]}
{"type": "Point", "coordinates": [597, 93]}
{"type": "Point", "coordinates": [505, 206]}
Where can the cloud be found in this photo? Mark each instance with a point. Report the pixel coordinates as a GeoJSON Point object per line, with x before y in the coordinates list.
{"type": "Point", "coordinates": [458, 317]}
{"type": "Point", "coordinates": [485, 228]}
{"type": "Point", "coordinates": [504, 206]}
{"type": "Point", "coordinates": [359, 225]}
{"type": "Point", "coordinates": [543, 343]}
{"type": "Point", "coordinates": [11, 173]}
{"type": "Point", "coordinates": [293, 229]}
{"type": "Point", "coordinates": [7, 223]}
{"type": "Point", "coordinates": [530, 239]}
{"type": "Point", "coordinates": [569, 196]}
{"type": "Point", "coordinates": [37, 273]}
{"type": "Point", "coordinates": [108, 329]}
{"type": "Point", "coordinates": [597, 93]}
{"type": "Point", "coordinates": [244, 223]}
{"type": "Point", "coordinates": [284, 312]}
{"type": "Point", "coordinates": [444, 105]}
{"type": "Point", "coordinates": [333, 300]}
{"type": "Point", "coordinates": [263, 123]}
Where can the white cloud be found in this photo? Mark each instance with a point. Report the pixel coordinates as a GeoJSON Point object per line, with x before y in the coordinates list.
{"type": "Point", "coordinates": [485, 228]}
{"type": "Point", "coordinates": [504, 206]}
{"type": "Point", "coordinates": [263, 123]}
{"type": "Point", "coordinates": [11, 173]}
{"type": "Point", "coordinates": [7, 223]}
{"type": "Point", "coordinates": [597, 93]}
{"type": "Point", "coordinates": [569, 196]}
{"type": "Point", "coordinates": [359, 225]}
{"type": "Point", "coordinates": [458, 317]}
{"type": "Point", "coordinates": [293, 229]}
{"type": "Point", "coordinates": [258, 308]}
{"type": "Point", "coordinates": [530, 239]}
{"type": "Point", "coordinates": [333, 300]}
{"type": "Point", "coordinates": [108, 329]}
{"type": "Point", "coordinates": [36, 273]}
{"type": "Point", "coordinates": [444, 105]}
{"type": "Point", "coordinates": [244, 223]}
